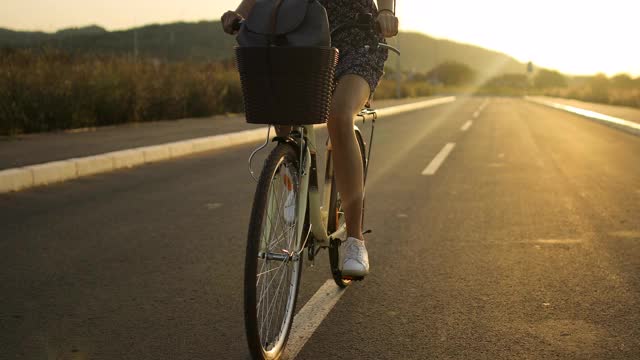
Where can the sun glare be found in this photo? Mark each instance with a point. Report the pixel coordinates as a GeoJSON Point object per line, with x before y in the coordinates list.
{"type": "Point", "coordinates": [575, 37]}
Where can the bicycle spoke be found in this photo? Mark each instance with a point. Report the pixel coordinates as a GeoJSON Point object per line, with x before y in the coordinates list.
{"type": "Point", "coordinates": [282, 299]}
{"type": "Point", "coordinates": [274, 223]}
{"type": "Point", "coordinates": [268, 305]}
{"type": "Point", "coordinates": [270, 281]}
{"type": "Point", "coordinates": [285, 231]}
{"type": "Point", "coordinates": [269, 271]}
{"type": "Point", "coordinates": [291, 229]}
{"type": "Point", "coordinates": [279, 209]}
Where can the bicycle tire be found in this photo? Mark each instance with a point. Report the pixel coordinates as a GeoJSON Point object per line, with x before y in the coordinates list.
{"type": "Point", "coordinates": [267, 334]}
{"type": "Point", "coordinates": [336, 217]}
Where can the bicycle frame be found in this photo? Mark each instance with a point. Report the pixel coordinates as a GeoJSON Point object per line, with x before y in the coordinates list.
{"type": "Point", "coordinates": [318, 214]}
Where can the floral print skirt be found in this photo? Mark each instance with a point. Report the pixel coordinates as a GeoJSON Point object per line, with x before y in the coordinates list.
{"type": "Point", "coordinates": [354, 58]}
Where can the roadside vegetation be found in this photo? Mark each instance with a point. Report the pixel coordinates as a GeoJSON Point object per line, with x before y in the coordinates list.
{"type": "Point", "coordinates": [45, 90]}
{"type": "Point", "coordinates": [48, 90]}
{"type": "Point", "coordinates": [617, 90]}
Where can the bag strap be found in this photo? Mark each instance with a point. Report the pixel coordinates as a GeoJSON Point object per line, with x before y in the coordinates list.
{"type": "Point", "coordinates": [274, 19]}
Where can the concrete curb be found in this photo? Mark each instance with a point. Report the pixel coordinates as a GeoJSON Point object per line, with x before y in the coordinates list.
{"type": "Point", "coordinates": [621, 124]}
{"type": "Point", "coordinates": [57, 171]}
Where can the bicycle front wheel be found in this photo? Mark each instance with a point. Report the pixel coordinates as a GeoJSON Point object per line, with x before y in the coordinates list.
{"type": "Point", "coordinates": [273, 257]}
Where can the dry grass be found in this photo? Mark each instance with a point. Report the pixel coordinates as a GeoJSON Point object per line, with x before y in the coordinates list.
{"type": "Point", "coordinates": [611, 96]}
{"type": "Point", "coordinates": [49, 90]}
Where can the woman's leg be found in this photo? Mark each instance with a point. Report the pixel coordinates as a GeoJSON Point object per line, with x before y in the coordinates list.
{"type": "Point", "coordinates": [351, 93]}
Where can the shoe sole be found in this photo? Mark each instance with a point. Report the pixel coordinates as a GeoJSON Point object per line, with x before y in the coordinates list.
{"type": "Point", "coordinates": [353, 278]}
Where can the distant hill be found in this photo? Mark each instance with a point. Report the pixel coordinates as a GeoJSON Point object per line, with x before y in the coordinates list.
{"type": "Point", "coordinates": [205, 41]}
{"type": "Point", "coordinates": [422, 53]}
{"type": "Point", "coordinates": [178, 41]}
{"type": "Point", "coordinates": [87, 30]}
{"type": "Point", "coordinates": [9, 38]}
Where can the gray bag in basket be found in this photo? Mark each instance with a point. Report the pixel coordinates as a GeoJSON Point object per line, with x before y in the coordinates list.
{"type": "Point", "coordinates": [301, 23]}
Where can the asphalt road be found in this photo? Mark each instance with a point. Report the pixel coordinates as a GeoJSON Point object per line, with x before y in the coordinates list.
{"type": "Point", "coordinates": [524, 244]}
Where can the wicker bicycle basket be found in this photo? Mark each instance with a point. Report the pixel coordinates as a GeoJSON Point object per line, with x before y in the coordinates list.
{"type": "Point", "coordinates": [287, 85]}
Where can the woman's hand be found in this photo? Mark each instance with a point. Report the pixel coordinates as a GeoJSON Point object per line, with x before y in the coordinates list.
{"type": "Point", "coordinates": [388, 23]}
{"type": "Point", "coordinates": [228, 19]}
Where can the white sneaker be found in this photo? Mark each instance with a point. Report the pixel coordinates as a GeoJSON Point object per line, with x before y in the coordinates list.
{"type": "Point", "coordinates": [356, 258]}
{"type": "Point", "coordinates": [290, 201]}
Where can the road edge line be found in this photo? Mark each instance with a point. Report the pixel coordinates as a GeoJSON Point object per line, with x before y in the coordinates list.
{"type": "Point", "coordinates": [611, 121]}
{"type": "Point", "coordinates": [25, 177]}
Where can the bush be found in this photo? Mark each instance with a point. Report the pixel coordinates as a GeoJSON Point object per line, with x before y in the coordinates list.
{"type": "Point", "coordinates": [44, 90]}
{"type": "Point", "coordinates": [546, 79]}
{"type": "Point", "coordinates": [451, 73]}
{"type": "Point", "coordinates": [622, 81]}
{"type": "Point", "coordinates": [619, 90]}
{"type": "Point", "coordinates": [387, 89]}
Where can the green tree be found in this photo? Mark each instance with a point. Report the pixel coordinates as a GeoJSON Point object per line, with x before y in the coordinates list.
{"type": "Point", "coordinates": [515, 81]}
{"type": "Point", "coordinates": [599, 88]}
{"type": "Point", "coordinates": [622, 81]}
{"type": "Point", "coordinates": [549, 79]}
{"type": "Point", "coordinates": [451, 73]}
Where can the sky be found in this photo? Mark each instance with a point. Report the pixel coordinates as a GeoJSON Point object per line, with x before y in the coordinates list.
{"type": "Point", "coordinates": [573, 36]}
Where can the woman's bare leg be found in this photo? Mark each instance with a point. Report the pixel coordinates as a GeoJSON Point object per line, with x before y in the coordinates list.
{"type": "Point", "coordinates": [351, 93]}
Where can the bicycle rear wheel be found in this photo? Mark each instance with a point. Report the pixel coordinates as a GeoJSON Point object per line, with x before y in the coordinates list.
{"type": "Point", "coordinates": [336, 217]}
{"type": "Point", "coordinates": [273, 260]}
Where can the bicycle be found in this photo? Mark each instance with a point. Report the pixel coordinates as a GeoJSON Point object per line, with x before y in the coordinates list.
{"type": "Point", "coordinates": [276, 242]}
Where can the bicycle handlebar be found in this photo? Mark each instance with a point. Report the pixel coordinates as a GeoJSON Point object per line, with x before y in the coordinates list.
{"type": "Point", "coordinates": [237, 23]}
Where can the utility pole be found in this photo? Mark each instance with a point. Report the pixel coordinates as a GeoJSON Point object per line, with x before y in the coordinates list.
{"type": "Point", "coordinates": [398, 71]}
{"type": "Point", "coordinates": [135, 44]}
{"type": "Point", "coordinates": [172, 39]}
{"type": "Point", "coordinates": [529, 76]}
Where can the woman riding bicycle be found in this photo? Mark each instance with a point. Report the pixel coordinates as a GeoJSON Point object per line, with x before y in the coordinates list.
{"type": "Point", "coordinates": [357, 75]}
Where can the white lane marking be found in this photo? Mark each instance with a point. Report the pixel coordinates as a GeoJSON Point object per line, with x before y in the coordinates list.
{"type": "Point", "coordinates": [213, 206]}
{"type": "Point", "coordinates": [480, 108]}
{"type": "Point", "coordinates": [466, 125]}
{"type": "Point", "coordinates": [558, 241]}
{"type": "Point", "coordinates": [626, 234]}
{"type": "Point", "coordinates": [310, 316]}
{"type": "Point", "coordinates": [438, 160]}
